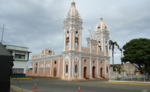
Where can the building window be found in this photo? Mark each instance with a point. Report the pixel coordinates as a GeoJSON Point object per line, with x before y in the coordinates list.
{"type": "Point", "coordinates": [76, 41]}
{"type": "Point", "coordinates": [36, 64]}
{"type": "Point", "coordinates": [101, 62]}
{"type": "Point", "coordinates": [100, 48]}
{"type": "Point", "coordinates": [19, 55]}
{"type": "Point", "coordinates": [67, 41]}
{"type": "Point", "coordinates": [55, 62]}
{"type": "Point", "coordinates": [76, 69]}
{"type": "Point", "coordinates": [66, 68]}
{"type": "Point", "coordinates": [106, 49]}
{"type": "Point", "coordinates": [18, 70]}
{"type": "Point", "coordinates": [93, 61]}
{"type": "Point", "coordinates": [84, 60]}
{"type": "Point", "coordinates": [105, 27]}
{"type": "Point", "coordinates": [67, 31]}
{"type": "Point", "coordinates": [107, 69]}
{"type": "Point", "coordinates": [99, 41]}
{"type": "Point", "coordinates": [76, 32]}
{"type": "Point", "coordinates": [35, 69]}
{"type": "Point", "coordinates": [98, 27]}
{"type": "Point", "coordinates": [93, 46]}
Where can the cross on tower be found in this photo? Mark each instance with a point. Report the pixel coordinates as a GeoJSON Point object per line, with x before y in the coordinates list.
{"type": "Point", "coordinates": [91, 32]}
{"type": "Point", "coordinates": [3, 32]}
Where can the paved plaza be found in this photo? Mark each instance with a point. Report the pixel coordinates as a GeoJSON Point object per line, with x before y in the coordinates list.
{"type": "Point", "coordinates": [58, 85]}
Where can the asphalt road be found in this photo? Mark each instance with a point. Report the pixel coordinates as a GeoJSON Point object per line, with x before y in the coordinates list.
{"type": "Point", "coordinates": [58, 85]}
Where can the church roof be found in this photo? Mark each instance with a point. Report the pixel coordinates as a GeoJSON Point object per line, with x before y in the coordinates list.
{"type": "Point", "coordinates": [101, 25]}
{"type": "Point", "coordinates": [73, 11]}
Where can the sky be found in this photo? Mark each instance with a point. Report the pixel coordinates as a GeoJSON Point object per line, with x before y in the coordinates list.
{"type": "Point", "coordinates": [38, 24]}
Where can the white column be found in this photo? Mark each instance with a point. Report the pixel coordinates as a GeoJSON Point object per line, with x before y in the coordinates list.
{"type": "Point", "coordinates": [38, 67]}
{"type": "Point", "coordinates": [97, 68]}
{"type": "Point", "coordinates": [102, 44]}
{"type": "Point", "coordinates": [63, 67]}
{"type": "Point", "coordinates": [104, 47]}
{"type": "Point", "coordinates": [80, 67]}
{"type": "Point", "coordinates": [44, 67]}
{"type": "Point", "coordinates": [80, 40]}
{"type": "Point", "coordinates": [73, 38]}
{"type": "Point", "coordinates": [70, 39]}
{"type": "Point", "coordinates": [58, 65]}
{"type": "Point", "coordinates": [105, 67]}
{"type": "Point", "coordinates": [69, 66]}
{"type": "Point", "coordinates": [13, 53]}
{"type": "Point", "coordinates": [64, 40]}
{"type": "Point", "coordinates": [90, 68]}
{"type": "Point", "coordinates": [51, 67]}
{"type": "Point", "coordinates": [33, 69]}
{"type": "Point", "coordinates": [97, 48]}
{"type": "Point", "coordinates": [90, 47]}
{"type": "Point", "coordinates": [108, 47]}
{"type": "Point", "coordinates": [73, 66]}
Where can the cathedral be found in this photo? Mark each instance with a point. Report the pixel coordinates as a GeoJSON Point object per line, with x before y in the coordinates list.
{"type": "Point", "coordinates": [75, 62]}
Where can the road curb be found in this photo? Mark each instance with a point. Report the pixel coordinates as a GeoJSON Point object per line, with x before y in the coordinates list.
{"type": "Point", "coordinates": [86, 80]}
{"type": "Point", "coordinates": [20, 78]}
{"type": "Point", "coordinates": [14, 90]}
{"type": "Point", "coordinates": [126, 83]}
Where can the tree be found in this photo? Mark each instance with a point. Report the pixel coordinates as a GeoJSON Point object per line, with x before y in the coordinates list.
{"type": "Point", "coordinates": [117, 68]}
{"type": "Point", "coordinates": [112, 46]}
{"type": "Point", "coordinates": [137, 51]}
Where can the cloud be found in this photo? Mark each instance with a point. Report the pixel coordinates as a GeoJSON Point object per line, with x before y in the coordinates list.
{"type": "Point", "coordinates": [38, 24]}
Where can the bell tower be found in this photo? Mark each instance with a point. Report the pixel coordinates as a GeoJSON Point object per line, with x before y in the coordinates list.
{"type": "Point", "coordinates": [72, 29]}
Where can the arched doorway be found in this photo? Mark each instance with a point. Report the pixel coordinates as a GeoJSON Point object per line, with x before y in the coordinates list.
{"type": "Point", "coordinates": [101, 72]}
{"type": "Point", "coordinates": [93, 72]}
{"type": "Point", "coordinates": [55, 72]}
{"type": "Point", "coordinates": [85, 72]}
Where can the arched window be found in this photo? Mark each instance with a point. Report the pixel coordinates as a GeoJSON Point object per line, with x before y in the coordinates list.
{"type": "Point", "coordinates": [67, 41]}
{"type": "Point", "coordinates": [93, 61]}
{"type": "Point", "coordinates": [67, 31]}
{"type": "Point", "coordinates": [76, 69]}
{"type": "Point", "coordinates": [98, 27]}
{"type": "Point", "coordinates": [76, 41]}
{"type": "Point", "coordinates": [66, 68]}
{"type": "Point", "coordinates": [76, 32]}
{"type": "Point", "coordinates": [100, 48]}
{"type": "Point", "coordinates": [107, 69]}
{"type": "Point", "coordinates": [99, 41]}
{"type": "Point", "coordinates": [105, 27]}
{"type": "Point", "coordinates": [84, 60]}
{"type": "Point", "coordinates": [55, 62]}
{"type": "Point", "coordinates": [35, 69]}
{"type": "Point", "coordinates": [101, 62]}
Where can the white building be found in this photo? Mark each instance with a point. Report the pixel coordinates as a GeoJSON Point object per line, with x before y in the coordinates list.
{"type": "Point", "coordinates": [21, 56]}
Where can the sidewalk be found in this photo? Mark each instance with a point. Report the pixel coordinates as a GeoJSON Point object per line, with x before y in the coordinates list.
{"type": "Point", "coordinates": [127, 82]}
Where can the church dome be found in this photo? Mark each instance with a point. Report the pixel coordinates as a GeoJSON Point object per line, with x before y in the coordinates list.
{"type": "Point", "coordinates": [101, 25]}
{"type": "Point", "coordinates": [73, 11]}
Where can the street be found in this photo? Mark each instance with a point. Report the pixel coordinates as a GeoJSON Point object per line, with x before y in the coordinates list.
{"type": "Point", "coordinates": [58, 85]}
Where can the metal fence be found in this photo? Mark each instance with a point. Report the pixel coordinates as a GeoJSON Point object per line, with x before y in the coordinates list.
{"type": "Point", "coordinates": [115, 76]}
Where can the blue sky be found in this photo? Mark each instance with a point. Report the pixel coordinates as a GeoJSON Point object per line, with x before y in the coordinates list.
{"type": "Point", "coordinates": [37, 24]}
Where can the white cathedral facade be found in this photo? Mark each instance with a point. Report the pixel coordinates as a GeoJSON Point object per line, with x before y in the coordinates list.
{"type": "Point", "coordinates": [75, 61]}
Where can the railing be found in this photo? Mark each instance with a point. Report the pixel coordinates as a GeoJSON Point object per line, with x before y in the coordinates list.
{"type": "Point", "coordinates": [124, 77]}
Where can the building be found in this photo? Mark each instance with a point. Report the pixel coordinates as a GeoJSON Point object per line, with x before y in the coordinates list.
{"type": "Point", "coordinates": [21, 56]}
{"type": "Point", "coordinates": [75, 61]}
{"type": "Point", "coordinates": [128, 67]}
{"type": "Point", "coordinates": [6, 64]}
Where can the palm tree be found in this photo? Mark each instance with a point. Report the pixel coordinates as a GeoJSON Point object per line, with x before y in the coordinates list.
{"type": "Point", "coordinates": [112, 46]}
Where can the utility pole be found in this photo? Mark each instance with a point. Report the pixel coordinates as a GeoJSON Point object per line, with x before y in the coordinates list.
{"type": "Point", "coordinates": [3, 32]}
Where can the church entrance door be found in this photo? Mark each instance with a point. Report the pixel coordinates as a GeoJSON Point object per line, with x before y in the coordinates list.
{"type": "Point", "coordinates": [85, 71]}
{"type": "Point", "coordinates": [93, 75]}
{"type": "Point", "coordinates": [54, 72]}
{"type": "Point", "coordinates": [101, 72]}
